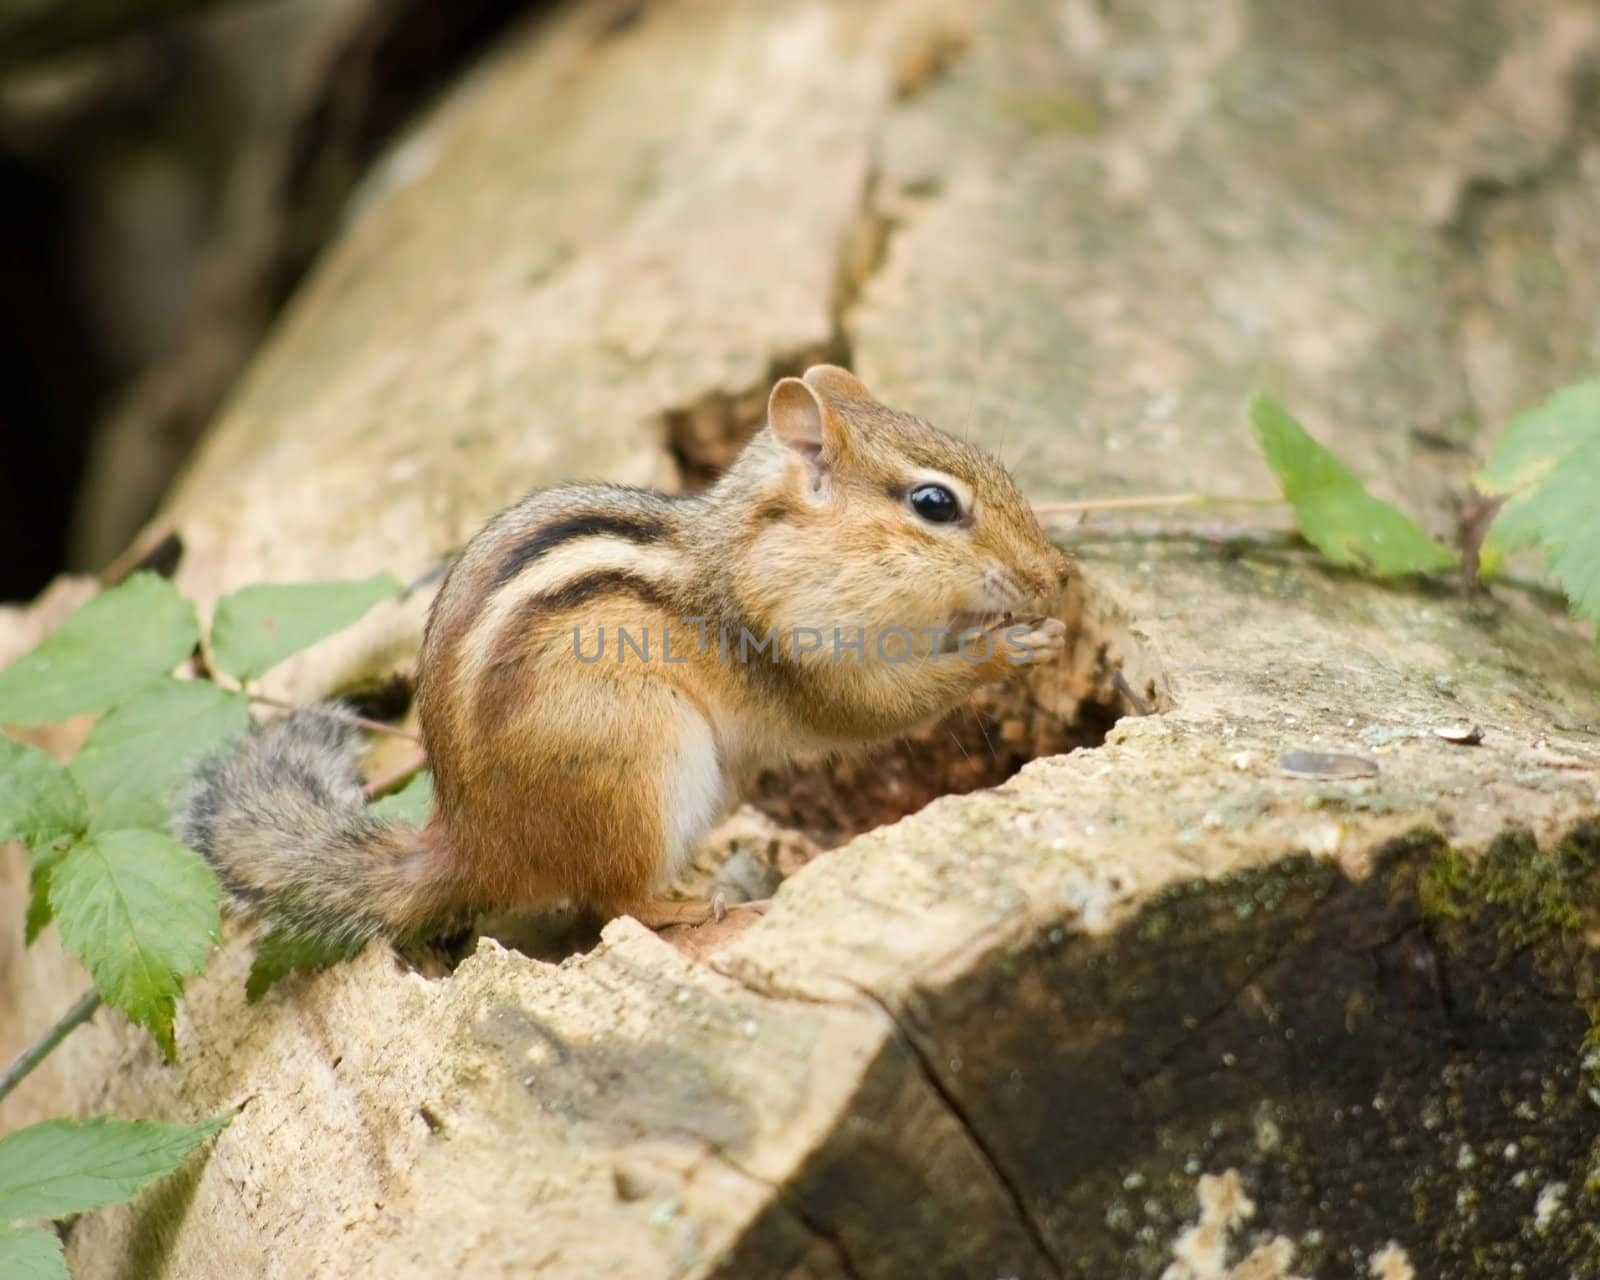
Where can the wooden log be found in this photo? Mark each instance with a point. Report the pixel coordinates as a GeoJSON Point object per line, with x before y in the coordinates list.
{"type": "Point", "coordinates": [1151, 1009]}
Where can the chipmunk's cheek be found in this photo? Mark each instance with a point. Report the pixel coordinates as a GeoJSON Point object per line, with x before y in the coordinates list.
{"type": "Point", "coordinates": [987, 602]}
{"type": "Point", "coordinates": [986, 621]}
{"type": "Point", "coordinates": [970, 599]}
{"type": "Point", "coordinates": [1007, 587]}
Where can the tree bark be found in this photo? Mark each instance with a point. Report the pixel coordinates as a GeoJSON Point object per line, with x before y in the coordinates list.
{"type": "Point", "coordinates": [1150, 1009]}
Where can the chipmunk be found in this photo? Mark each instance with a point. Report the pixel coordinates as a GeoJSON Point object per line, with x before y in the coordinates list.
{"type": "Point", "coordinates": [602, 662]}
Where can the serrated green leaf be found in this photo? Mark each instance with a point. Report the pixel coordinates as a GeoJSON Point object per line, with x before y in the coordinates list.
{"type": "Point", "coordinates": [1547, 464]}
{"type": "Point", "coordinates": [408, 806]}
{"type": "Point", "coordinates": [63, 1166]}
{"type": "Point", "coordinates": [125, 638]}
{"type": "Point", "coordinates": [1537, 442]}
{"type": "Point", "coordinates": [142, 912]}
{"type": "Point", "coordinates": [31, 1253]}
{"type": "Point", "coordinates": [1334, 511]}
{"type": "Point", "coordinates": [140, 751]}
{"type": "Point", "coordinates": [284, 952]}
{"type": "Point", "coordinates": [257, 627]}
{"type": "Point", "coordinates": [40, 803]}
{"type": "Point", "coordinates": [39, 914]}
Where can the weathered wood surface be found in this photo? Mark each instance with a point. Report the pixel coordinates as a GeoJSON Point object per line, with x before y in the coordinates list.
{"type": "Point", "coordinates": [1148, 1009]}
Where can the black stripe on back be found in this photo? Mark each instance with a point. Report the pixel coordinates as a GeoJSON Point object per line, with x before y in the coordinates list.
{"type": "Point", "coordinates": [601, 582]}
{"type": "Point", "coordinates": [640, 529]}
{"type": "Point", "coordinates": [497, 691]}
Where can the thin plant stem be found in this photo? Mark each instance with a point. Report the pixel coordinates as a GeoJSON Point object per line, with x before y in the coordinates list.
{"type": "Point", "coordinates": [333, 713]}
{"type": "Point", "coordinates": [1532, 586]}
{"type": "Point", "coordinates": [1088, 505]}
{"type": "Point", "coordinates": [42, 1047]}
{"type": "Point", "coordinates": [1223, 535]}
{"type": "Point", "coordinates": [1211, 535]}
{"type": "Point", "coordinates": [384, 781]}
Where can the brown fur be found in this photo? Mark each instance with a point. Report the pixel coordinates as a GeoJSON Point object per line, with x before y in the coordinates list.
{"type": "Point", "coordinates": [589, 780]}
{"type": "Point", "coordinates": [283, 821]}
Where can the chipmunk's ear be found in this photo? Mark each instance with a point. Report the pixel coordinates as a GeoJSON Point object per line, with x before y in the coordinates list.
{"type": "Point", "coordinates": [800, 419]}
{"type": "Point", "coordinates": [833, 383]}
{"type": "Point", "coordinates": [802, 414]}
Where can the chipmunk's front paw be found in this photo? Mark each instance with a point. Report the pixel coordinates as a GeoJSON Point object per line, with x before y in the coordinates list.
{"type": "Point", "coordinates": [1033, 643]}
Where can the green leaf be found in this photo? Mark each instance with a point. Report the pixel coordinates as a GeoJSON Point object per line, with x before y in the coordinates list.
{"type": "Point", "coordinates": [31, 1253]}
{"type": "Point", "coordinates": [39, 913]}
{"type": "Point", "coordinates": [1335, 513]}
{"type": "Point", "coordinates": [142, 912]}
{"type": "Point", "coordinates": [40, 803]}
{"type": "Point", "coordinates": [126, 637]}
{"type": "Point", "coordinates": [1547, 464]}
{"type": "Point", "coordinates": [408, 806]}
{"type": "Point", "coordinates": [284, 952]}
{"type": "Point", "coordinates": [139, 752]}
{"type": "Point", "coordinates": [62, 1166]}
{"type": "Point", "coordinates": [257, 627]}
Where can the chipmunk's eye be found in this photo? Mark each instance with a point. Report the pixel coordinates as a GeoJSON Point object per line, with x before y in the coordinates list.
{"type": "Point", "coordinates": [935, 504]}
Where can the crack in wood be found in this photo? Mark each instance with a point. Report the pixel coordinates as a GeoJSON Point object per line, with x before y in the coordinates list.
{"type": "Point", "coordinates": [913, 1041]}
{"type": "Point", "coordinates": [812, 1226]}
{"type": "Point", "coordinates": [907, 1039]}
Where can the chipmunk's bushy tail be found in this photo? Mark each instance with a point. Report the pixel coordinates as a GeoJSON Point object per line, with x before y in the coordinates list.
{"type": "Point", "coordinates": [283, 821]}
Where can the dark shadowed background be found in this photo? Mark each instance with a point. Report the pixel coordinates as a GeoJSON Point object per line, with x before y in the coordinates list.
{"type": "Point", "coordinates": [165, 186]}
